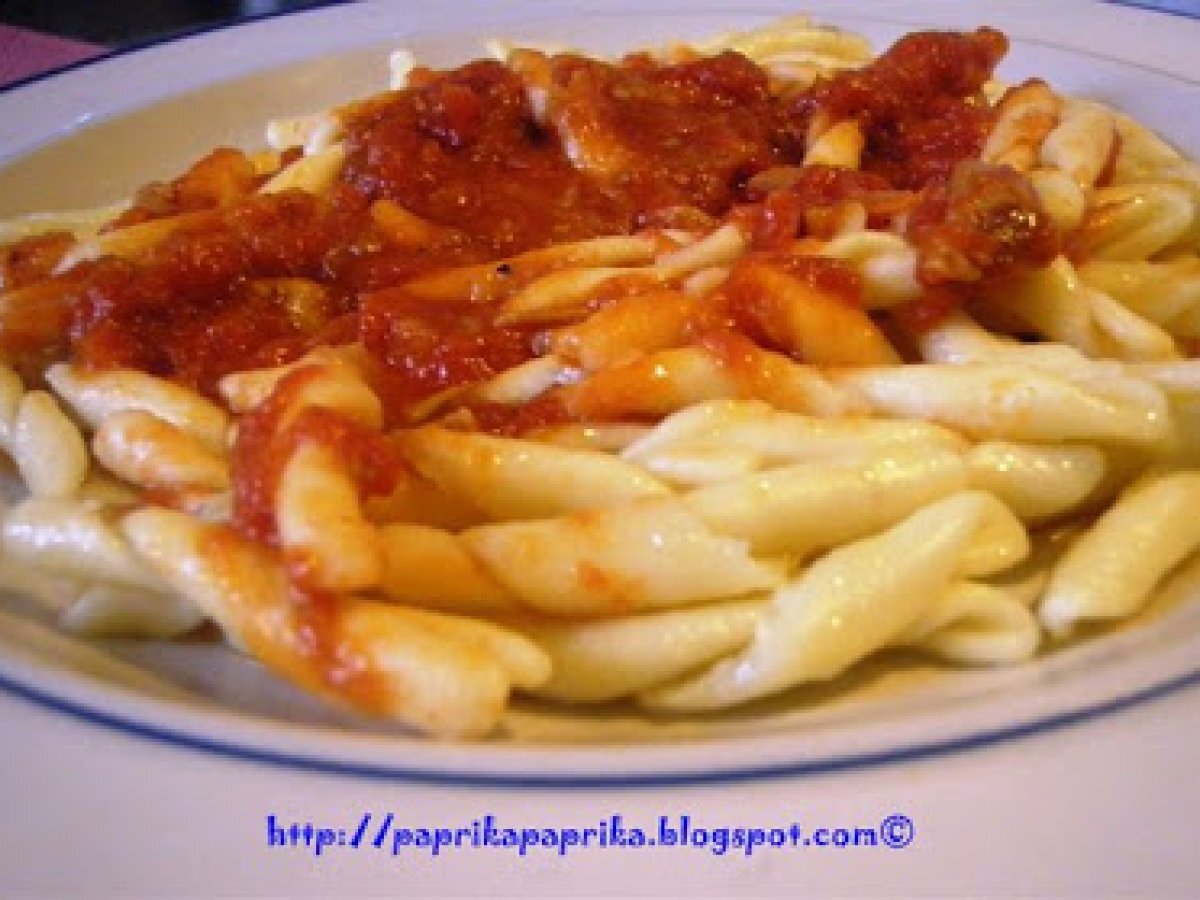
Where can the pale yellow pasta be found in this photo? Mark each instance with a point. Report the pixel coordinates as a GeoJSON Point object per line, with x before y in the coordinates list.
{"type": "Point", "coordinates": [400, 64]}
{"type": "Point", "coordinates": [1063, 198]}
{"type": "Point", "coordinates": [1179, 378]}
{"type": "Point", "coordinates": [606, 659]}
{"type": "Point", "coordinates": [795, 48]}
{"type": "Point", "coordinates": [735, 437]}
{"type": "Point", "coordinates": [839, 145]}
{"type": "Point", "coordinates": [1110, 571]}
{"type": "Point", "coordinates": [68, 537]}
{"type": "Point", "coordinates": [429, 567]}
{"type": "Point", "coordinates": [338, 387]}
{"type": "Point", "coordinates": [313, 174]}
{"type": "Point", "coordinates": [667, 381]}
{"type": "Point", "coordinates": [46, 446]}
{"type": "Point", "coordinates": [721, 247]}
{"type": "Point", "coordinates": [1025, 115]}
{"type": "Point", "coordinates": [523, 382]}
{"type": "Point", "coordinates": [525, 664]}
{"type": "Point", "coordinates": [1137, 221]}
{"type": "Point", "coordinates": [322, 529]}
{"type": "Point", "coordinates": [523, 479]}
{"type": "Point", "coordinates": [146, 451]}
{"type": "Point", "coordinates": [80, 222]}
{"type": "Point", "coordinates": [1055, 303]}
{"type": "Point", "coordinates": [562, 295]}
{"type": "Point", "coordinates": [12, 389]}
{"type": "Point", "coordinates": [243, 391]}
{"type": "Point", "coordinates": [886, 263]}
{"type": "Point", "coordinates": [129, 241]}
{"type": "Point", "coordinates": [1037, 482]}
{"type": "Point", "coordinates": [959, 339]}
{"type": "Point", "coordinates": [856, 600]}
{"type": "Point", "coordinates": [694, 466]}
{"type": "Point", "coordinates": [445, 677]}
{"type": "Point", "coordinates": [1167, 292]}
{"type": "Point", "coordinates": [646, 554]}
{"type": "Point", "coordinates": [495, 280]}
{"type": "Point", "coordinates": [811, 506]}
{"type": "Point", "coordinates": [93, 396]}
{"type": "Point", "coordinates": [704, 281]}
{"type": "Point", "coordinates": [1018, 403]}
{"type": "Point", "coordinates": [1082, 142]}
{"type": "Point", "coordinates": [1143, 153]}
{"type": "Point", "coordinates": [612, 437]}
{"type": "Point", "coordinates": [105, 610]}
{"type": "Point", "coordinates": [51, 590]}
{"type": "Point", "coordinates": [102, 491]}
{"type": "Point", "coordinates": [313, 133]}
{"type": "Point", "coordinates": [977, 624]}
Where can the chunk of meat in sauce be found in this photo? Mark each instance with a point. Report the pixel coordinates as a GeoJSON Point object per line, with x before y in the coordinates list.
{"type": "Point", "coordinates": [985, 224]}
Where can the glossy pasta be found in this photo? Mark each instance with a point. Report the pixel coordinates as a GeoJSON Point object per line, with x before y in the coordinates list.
{"type": "Point", "coordinates": [894, 356]}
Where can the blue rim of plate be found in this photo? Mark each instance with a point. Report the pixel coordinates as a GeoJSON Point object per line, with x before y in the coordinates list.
{"type": "Point", "coordinates": [981, 739]}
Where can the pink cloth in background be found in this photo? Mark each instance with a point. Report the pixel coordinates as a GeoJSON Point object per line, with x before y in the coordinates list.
{"type": "Point", "coordinates": [24, 52]}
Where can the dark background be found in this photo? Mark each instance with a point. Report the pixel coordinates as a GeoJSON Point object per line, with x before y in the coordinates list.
{"type": "Point", "coordinates": [117, 22]}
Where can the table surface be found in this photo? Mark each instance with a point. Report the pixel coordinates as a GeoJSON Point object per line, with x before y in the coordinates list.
{"type": "Point", "coordinates": [24, 53]}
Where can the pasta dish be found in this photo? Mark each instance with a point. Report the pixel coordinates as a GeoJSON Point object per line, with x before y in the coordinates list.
{"type": "Point", "coordinates": [683, 378]}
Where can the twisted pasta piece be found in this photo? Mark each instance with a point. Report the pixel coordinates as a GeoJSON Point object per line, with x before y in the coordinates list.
{"type": "Point", "coordinates": [1111, 569]}
{"type": "Point", "coordinates": [856, 600]}
{"type": "Point", "coordinates": [41, 440]}
{"type": "Point", "coordinates": [1056, 303]}
{"type": "Point", "coordinates": [646, 554]}
{"type": "Point", "coordinates": [606, 659]}
{"type": "Point", "coordinates": [1138, 221]}
{"type": "Point", "coordinates": [1166, 293]}
{"type": "Point", "coordinates": [442, 674]}
{"type": "Point", "coordinates": [722, 439]}
{"type": "Point", "coordinates": [523, 479]}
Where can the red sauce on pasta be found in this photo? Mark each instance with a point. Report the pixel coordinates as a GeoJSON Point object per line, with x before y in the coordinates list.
{"type": "Point", "coordinates": [918, 104]}
{"type": "Point", "coordinates": [249, 280]}
{"type": "Point", "coordinates": [267, 439]}
{"type": "Point", "coordinates": [428, 347]}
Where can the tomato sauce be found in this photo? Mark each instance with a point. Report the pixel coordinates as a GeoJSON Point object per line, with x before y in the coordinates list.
{"type": "Point", "coordinates": [918, 104]}
{"type": "Point", "coordinates": [257, 280]}
{"type": "Point", "coordinates": [426, 348]}
{"type": "Point", "coordinates": [268, 437]}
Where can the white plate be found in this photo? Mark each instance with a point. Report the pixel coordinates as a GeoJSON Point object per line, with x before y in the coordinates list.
{"type": "Point", "coordinates": [117, 123]}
